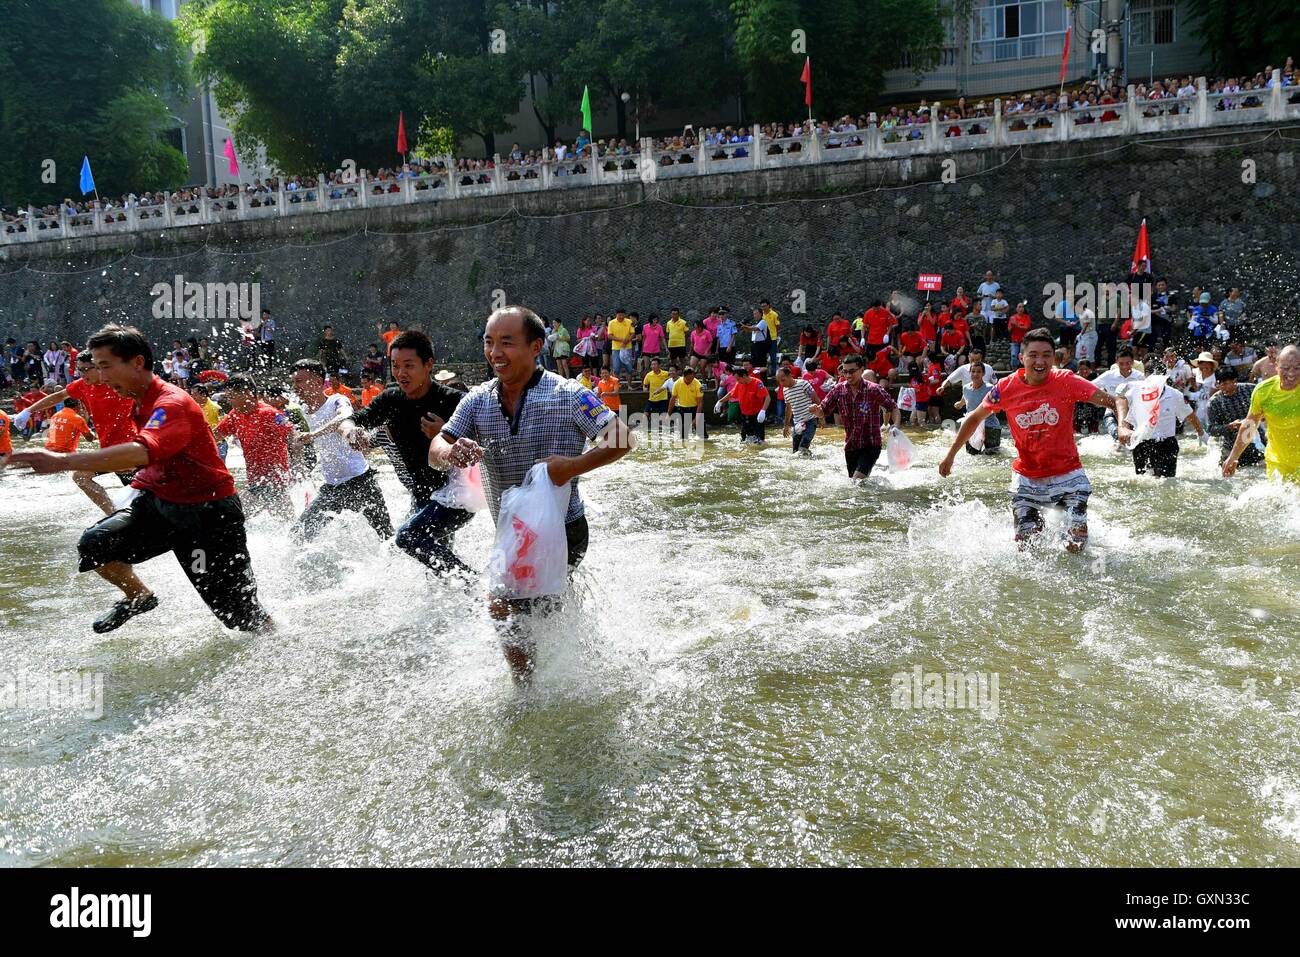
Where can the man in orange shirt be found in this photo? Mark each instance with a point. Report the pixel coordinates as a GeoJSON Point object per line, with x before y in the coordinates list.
{"type": "Point", "coordinates": [66, 428]}
{"type": "Point", "coordinates": [607, 388]}
{"type": "Point", "coordinates": [369, 389]}
{"type": "Point", "coordinates": [6, 443]}
{"type": "Point", "coordinates": [394, 330]}
{"type": "Point", "coordinates": [341, 388]}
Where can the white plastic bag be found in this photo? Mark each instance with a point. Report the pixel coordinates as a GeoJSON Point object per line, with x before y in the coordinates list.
{"type": "Point", "coordinates": [977, 437]}
{"type": "Point", "coordinates": [464, 489]}
{"type": "Point", "coordinates": [901, 451]}
{"type": "Point", "coordinates": [907, 399]}
{"type": "Point", "coordinates": [531, 553]}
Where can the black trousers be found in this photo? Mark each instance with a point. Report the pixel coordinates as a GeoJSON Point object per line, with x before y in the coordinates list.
{"type": "Point", "coordinates": [1159, 456]}
{"type": "Point", "coordinates": [861, 460]}
{"type": "Point", "coordinates": [360, 494]}
{"type": "Point", "coordinates": [207, 539]}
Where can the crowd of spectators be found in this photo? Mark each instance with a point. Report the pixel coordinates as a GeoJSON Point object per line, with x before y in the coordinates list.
{"type": "Point", "coordinates": [1030, 110]}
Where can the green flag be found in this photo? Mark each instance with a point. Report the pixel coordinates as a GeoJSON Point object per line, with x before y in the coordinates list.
{"type": "Point", "coordinates": [586, 111]}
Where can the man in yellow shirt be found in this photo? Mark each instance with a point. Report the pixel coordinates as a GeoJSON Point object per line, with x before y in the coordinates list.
{"type": "Point", "coordinates": [677, 330]}
{"type": "Point", "coordinates": [211, 412]}
{"type": "Point", "coordinates": [1276, 401]}
{"type": "Point", "coordinates": [773, 323]}
{"type": "Point", "coordinates": [688, 402]}
{"type": "Point", "coordinates": [657, 398]}
{"type": "Point", "coordinates": [621, 331]}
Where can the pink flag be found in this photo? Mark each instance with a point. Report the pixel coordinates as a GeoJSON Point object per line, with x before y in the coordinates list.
{"type": "Point", "coordinates": [230, 155]}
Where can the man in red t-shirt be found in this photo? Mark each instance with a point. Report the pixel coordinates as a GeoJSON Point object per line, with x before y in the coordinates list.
{"type": "Point", "coordinates": [877, 321]}
{"type": "Point", "coordinates": [884, 364]}
{"type": "Point", "coordinates": [838, 328]}
{"type": "Point", "coordinates": [186, 505]}
{"type": "Point", "coordinates": [263, 432]}
{"type": "Point", "coordinates": [754, 399]}
{"type": "Point", "coordinates": [110, 414]}
{"type": "Point", "coordinates": [1039, 402]}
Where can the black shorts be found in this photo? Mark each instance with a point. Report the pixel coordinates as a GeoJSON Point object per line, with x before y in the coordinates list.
{"type": "Point", "coordinates": [701, 355]}
{"type": "Point", "coordinates": [207, 539]}
{"type": "Point", "coordinates": [676, 353]}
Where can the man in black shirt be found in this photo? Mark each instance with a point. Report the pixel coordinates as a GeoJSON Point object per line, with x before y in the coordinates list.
{"type": "Point", "coordinates": [329, 352]}
{"type": "Point", "coordinates": [414, 412]}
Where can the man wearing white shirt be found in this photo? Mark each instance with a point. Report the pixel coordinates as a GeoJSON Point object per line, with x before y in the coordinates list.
{"type": "Point", "coordinates": [986, 291]}
{"type": "Point", "coordinates": [1140, 313]}
{"type": "Point", "coordinates": [1177, 372]}
{"type": "Point", "coordinates": [350, 484]}
{"type": "Point", "coordinates": [961, 374]}
{"type": "Point", "coordinates": [1111, 380]}
{"type": "Point", "coordinates": [1158, 451]}
{"type": "Point", "coordinates": [1085, 347]}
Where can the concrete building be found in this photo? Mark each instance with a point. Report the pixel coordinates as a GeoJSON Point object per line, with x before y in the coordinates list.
{"type": "Point", "coordinates": [201, 130]}
{"type": "Point", "coordinates": [1010, 45]}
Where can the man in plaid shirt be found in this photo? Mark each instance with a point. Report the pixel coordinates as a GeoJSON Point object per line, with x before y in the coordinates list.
{"type": "Point", "coordinates": [522, 417]}
{"type": "Point", "coordinates": [858, 403]}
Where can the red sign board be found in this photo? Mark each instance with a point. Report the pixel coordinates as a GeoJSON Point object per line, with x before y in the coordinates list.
{"type": "Point", "coordinates": [929, 281]}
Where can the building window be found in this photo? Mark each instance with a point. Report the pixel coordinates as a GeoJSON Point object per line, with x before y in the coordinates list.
{"type": "Point", "coordinates": [1017, 30]}
{"type": "Point", "coordinates": [1153, 22]}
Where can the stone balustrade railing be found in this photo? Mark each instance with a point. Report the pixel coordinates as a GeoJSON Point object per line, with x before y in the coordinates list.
{"type": "Point", "coordinates": [1204, 111]}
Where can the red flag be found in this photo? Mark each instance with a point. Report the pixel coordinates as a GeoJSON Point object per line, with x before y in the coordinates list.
{"type": "Point", "coordinates": [1065, 54]}
{"type": "Point", "coordinates": [806, 80]}
{"type": "Point", "coordinates": [1142, 251]}
{"type": "Point", "coordinates": [401, 134]}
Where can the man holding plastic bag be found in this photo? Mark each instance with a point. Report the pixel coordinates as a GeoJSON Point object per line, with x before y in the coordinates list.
{"type": "Point", "coordinates": [528, 428]}
{"type": "Point", "coordinates": [1149, 412]}
{"type": "Point", "coordinates": [859, 405]}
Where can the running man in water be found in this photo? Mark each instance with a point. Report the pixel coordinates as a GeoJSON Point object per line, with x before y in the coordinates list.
{"type": "Point", "coordinates": [187, 503]}
{"type": "Point", "coordinates": [413, 412]}
{"type": "Point", "coordinates": [1039, 404]}
{"type": "Point", "coordinates": [527, 415]}
{"type": "Point", "coordinates": [350, 484]}
{"type": "Point", "coordinates": [263, 432]}
{"type": "Point", "coordinates": [1276, 402]}
{"type": "Point", "coordinates": [860, 405]}
{"type": "Point", "coordinates": [110, 414]}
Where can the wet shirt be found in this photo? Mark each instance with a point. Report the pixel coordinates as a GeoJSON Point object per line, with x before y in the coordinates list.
{"type": "Point", "coordinates": [1041, 418]}
{"type": "Point", "coordinates": [1281, 411]}
{"type": "Point", "coordinates": [184, 467]}
{"type": "Point", "coordinates": [338, 460]}
{"type": "Point", "coordinates": [859, 411]}
{"type": "Point", "coordinates": [750, 393]}
{"type": "Point", "coordinates": [402, 416]}
{"type": "Point", "coordinates": [109, 411]}
{"type": "Point", "coordinates": [264, 436]}
{"type": "Point", "coordinates": [66, 428]}
{"type": "Point", "coordinates": [554, 416]}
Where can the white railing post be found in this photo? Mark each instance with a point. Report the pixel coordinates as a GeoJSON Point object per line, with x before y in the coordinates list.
{"type": "Point", "coordinates": [1062, 123]}
{"type": "Point", "coordinates": [133, 218]}
{"type": "Point", "coordinates": [1132, 115]}
{"type": "Point", "coordinates": [756, 143]}
{"type": "Point", "coordinates": [98, 220]}
{"type": "Point", "coordinates": [322, 193]}
{"type": "Point", "coordinates": [1276, 101]}
{"type": "Point", "coordinates": [702, 157]}
{"type": "Point", "coordinates": [999, 125]}
{"type": "Point", "coordinates": [281, 200]}
{"type": "Point", "coordinates": [365, 193]}
{"type": "Point", "coordinates": [241, 208]}
{"type": "Point", "coordinates": [875, 142]}
{"type": "Point", "coordinates": [31, 223]}
{"type": "Point", "coordinates": [498, 178]}
{"type": "Point", "coordinates": [547, 176]}
{"type": "Point", "coordinates": [205, 208]}
{"type": "Point", "coordinates": [1201, 114]}
{"type": "Point", "coordinates": [597, 174]}
{"type": "Point", "coordinates": [453, 181]}
{"type": "Point", "coordinates": [408, 188]}
{"type": "Point", "coordinates": [647, 168]}
{"type": "Point", "coordinates": [169, 214]}
{"type": "Point", "coordinates": [932, 132]}
{"type": "Point", "coordinates": [815, 146]}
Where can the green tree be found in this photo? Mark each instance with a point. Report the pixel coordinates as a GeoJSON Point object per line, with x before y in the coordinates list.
{"type": "Point", "coordinates": [1247, 35]}
{"type": "Point", "coordinates": [852, 44]}
{"type": "Point", "coordinates": [87, 77]}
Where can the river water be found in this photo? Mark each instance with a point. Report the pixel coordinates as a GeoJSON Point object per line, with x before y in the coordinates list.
{"type": "Point", "coordinates": [726, 688]}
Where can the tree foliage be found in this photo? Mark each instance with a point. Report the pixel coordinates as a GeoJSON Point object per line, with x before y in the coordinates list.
{"type": "Point", "coordinates": [1247, 35]}
{"type": "Point", "coordinates": [86, 77]}
{"type": "Point", "coordinates": [852, 44]}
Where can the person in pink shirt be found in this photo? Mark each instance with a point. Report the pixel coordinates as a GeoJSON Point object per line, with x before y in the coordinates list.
{"type": "Point", "coordinates": [652, 342]}
{"type": "Point", "coordinates": [701, 346]}
{"type": "Point", "coordinates": [726, 379]}
{"type": "Point", "coordinates": [817, 377]}
{"type": "Point", "coordinates": [1039, 401]}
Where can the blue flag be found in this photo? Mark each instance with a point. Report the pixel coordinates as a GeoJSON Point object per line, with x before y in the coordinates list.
{"type": "Point", "coordinates": [87, 181]}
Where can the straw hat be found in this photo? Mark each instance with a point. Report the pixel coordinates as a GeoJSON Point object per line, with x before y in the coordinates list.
{"type": "Point", "coordinates": [1206, 357]}
{"type": "Point", "coordinates": [444, 375]}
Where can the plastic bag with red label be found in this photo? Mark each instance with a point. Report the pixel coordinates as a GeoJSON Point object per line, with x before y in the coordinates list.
{"type": "Point", "coordinates": [531, 553]}
{"type": "Point", "coordinates": [901, 452]}
{"type": "Point", "coordinates": [1144, 408]}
